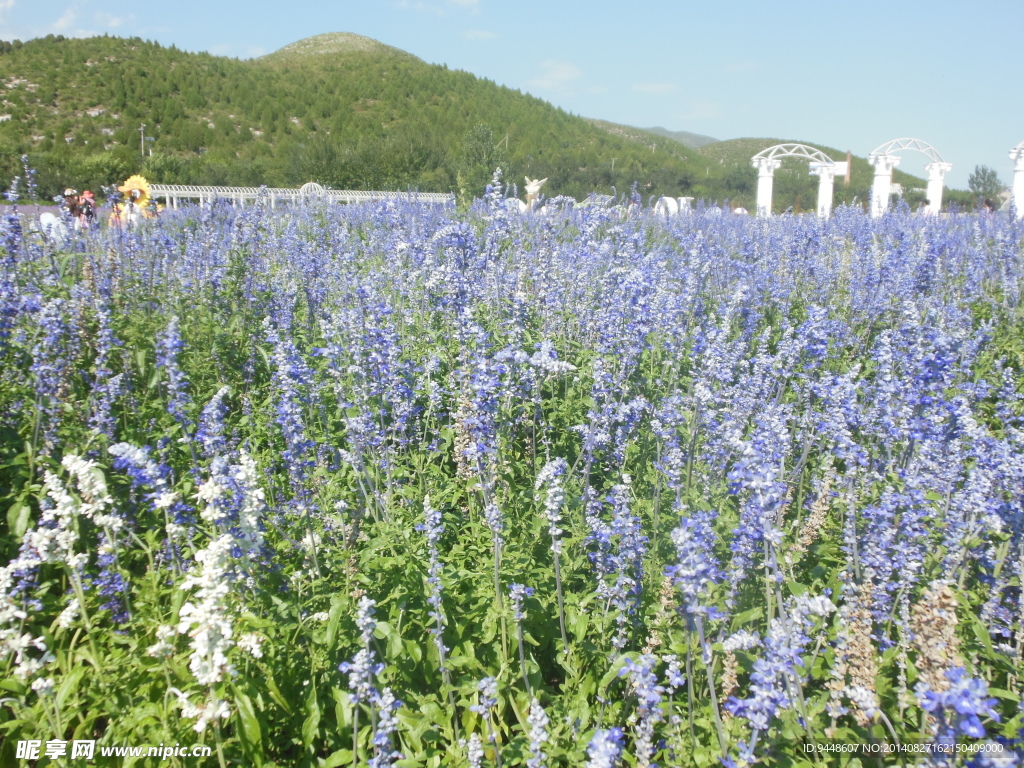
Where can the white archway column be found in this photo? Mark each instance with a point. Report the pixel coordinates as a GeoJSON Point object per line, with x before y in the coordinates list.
{"type": "Point", "coordinates": [766, 168]}
{"type": "Point", "coordinates": [882, 187]}
{"type": "Point", "coordinates": [1017, 155]}
{"type": "Point", "coordinates": [936, 180]}
{"type": "Point", "coordinates": [826, 180]}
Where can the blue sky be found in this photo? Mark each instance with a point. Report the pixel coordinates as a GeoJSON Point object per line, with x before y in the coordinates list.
{"type": "Point", "coordinates": [850, 76]}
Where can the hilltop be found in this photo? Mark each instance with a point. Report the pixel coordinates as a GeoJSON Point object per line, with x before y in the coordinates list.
{"type": "Point", "coordinates": [333, 44]}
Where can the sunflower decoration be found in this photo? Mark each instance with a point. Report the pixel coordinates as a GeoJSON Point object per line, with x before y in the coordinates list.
{"type": "Point", "coordinates": [137, 202]}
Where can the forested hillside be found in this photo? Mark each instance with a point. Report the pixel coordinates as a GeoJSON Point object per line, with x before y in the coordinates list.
{"type": "Point", "coordinates": [339, 109]}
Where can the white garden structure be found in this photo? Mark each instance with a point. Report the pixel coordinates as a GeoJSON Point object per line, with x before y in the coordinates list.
{"type": "Point", "coordinates": [673, 206]}
{"type": "Point", "coordinates": [884, 160]}
{"type": "Point", "coordinates": [767, 161]}
{"type": "Point", "coordinates": [173, 194]}
{"type": "Point", "coordinates": [1017, 155]}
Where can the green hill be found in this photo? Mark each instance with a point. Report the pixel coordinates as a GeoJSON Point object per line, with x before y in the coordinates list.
{"type": "Point", "coordinates": [340, 109]}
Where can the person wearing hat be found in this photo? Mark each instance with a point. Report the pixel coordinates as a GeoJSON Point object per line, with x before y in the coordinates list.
{"type": "Point", "coordinates": [137, 204]}
{"type": "Point", "coordinates": [70, 201]}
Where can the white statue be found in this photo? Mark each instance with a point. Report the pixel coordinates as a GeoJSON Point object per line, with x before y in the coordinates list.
{"type": "Point", "coordinates": [532, 190]}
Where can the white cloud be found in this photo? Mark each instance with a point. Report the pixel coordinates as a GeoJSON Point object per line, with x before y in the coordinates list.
{"type": "Point", "coordinates": [478, 34]}
{"type": "Point", "coordinates": [108, 21]}
{"type": "Point", "coordinates": [66, 21]}
{"type": "Point", "coordinates": [556, 74]}
{"type": "Point", "coordinates": [68, 24]}
{"type": "Point", "coordinates": [472, 5]}
{"type": "Point", "coordinates": [655, 88]}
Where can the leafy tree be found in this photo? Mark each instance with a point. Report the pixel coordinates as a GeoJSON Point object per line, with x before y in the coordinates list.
{"type": "Point", "coordinates": [479, 157]}
{"type": "Point", "coordinates": [163, 168]}
{"type": "Point", "coordinates": [984, 183]}
{"type": "Point", "coordinates": [319, 160]}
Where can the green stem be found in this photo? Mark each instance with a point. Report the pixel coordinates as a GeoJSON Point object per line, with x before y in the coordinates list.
{"type": "Point", "coordinates": [497, 597]}
{"type": "Point", "coordinates": [522, 657]}
{"type": "Point", "coordinates": [80, 596]}
{"type": "Point", "coordinates": [689, 690]}
{"type": "Point", "coordinates": [561, 604]}
{"type": "Point", "coordinates": [217, 735]}
{"type": "Point", "coordinates": [355, 735]}
{"type": "Point", "coordinates": [722, 741]}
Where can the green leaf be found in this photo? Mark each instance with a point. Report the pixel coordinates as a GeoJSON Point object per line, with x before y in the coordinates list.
{"type": "Point", "coordinates": [341, 757]}
{"type": "Point", "coordinates": [16, 687]}
{"type": "Point", "coordinates": [333, 620]}
{"type": "Point", "coordinates": [612, 673]}
{"type": "Point", "coordinates": [312, 721]}
{"type": "Point", "coordinates": [981, 632]}
{"type": "Point", "coordinates": [69, 685]}
{"type": "Point", "coordinates": [579, 626]}
{"type": "Point", "coordinates": [276, 695]}
{"type": "Point", "coordinates": [385, 631]}
{"type": "Point", "coordinates": [342, 707]}
{"type": "Point", "coordinates": [1002, 693]}
{"type": "Point", "coordinates": [19, 515]}
{"type": "Point", "coordinates": [741, 620]}
{"type": "Point", "coordinates": [250, 723]}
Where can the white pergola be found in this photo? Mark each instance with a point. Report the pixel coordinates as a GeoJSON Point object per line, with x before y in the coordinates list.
{"type": "Point", "coordinates": [173, 194]}
{"type": "Point", "coordinates": [767, 161]}
{"type": "Point", "coordinates": [884, 161]}
{"type": "Point", "coordinates": [1017, 155]}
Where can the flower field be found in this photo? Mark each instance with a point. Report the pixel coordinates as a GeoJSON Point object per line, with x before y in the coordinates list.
{"type": "Point", "coordinates": [391, 485]}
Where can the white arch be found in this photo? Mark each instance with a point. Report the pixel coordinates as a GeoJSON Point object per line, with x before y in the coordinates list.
{"type": "Point", "coordinates": [898, 145]}
{"type": "Point", "coordinates": [311, 189]}
{"type": "Point", "coordinates": [884, 160]}
{"type": "Point", "coordinates": [1017, 155]}
{"type": "Point", "coordinates": [780, 151]}
{"type": "Point", "coordinates": [767, 162]}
